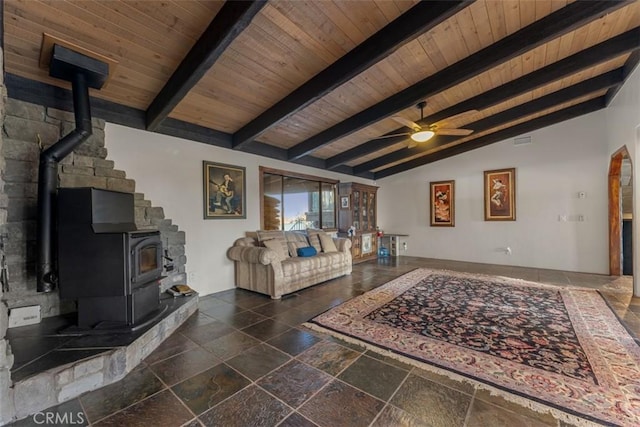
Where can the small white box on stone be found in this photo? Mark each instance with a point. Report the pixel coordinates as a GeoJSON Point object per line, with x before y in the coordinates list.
{"type": "Point", "coordinates": [22, 316]}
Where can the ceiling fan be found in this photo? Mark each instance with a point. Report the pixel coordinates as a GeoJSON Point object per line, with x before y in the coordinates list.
{"type": "Point", "coordinates": [425, 133]}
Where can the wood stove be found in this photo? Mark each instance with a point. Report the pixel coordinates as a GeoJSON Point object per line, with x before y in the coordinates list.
{"type": "Point", "coordinates": [110, 267]}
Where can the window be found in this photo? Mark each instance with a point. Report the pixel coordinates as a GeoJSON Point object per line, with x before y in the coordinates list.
{"type": "Point", "coordinates": [292, 201]}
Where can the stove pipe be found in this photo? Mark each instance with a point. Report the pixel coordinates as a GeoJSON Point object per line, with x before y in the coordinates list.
{"type": "Point", "coordinates": [83, 72]}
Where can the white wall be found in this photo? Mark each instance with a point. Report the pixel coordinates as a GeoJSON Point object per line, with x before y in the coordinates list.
{"type": "Point", "coordinates": [168, 171]}
{"type": "Point", "coordinates": [623, 129]}
{"type": "Point", "coordinates": [562, 160]}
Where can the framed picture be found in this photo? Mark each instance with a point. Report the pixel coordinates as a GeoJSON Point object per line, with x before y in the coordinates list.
{"type": "Point", "coordinates": [344, 202]}
{"type": "Point", "coordinates": [224, 191]}
{"type": "Point", "coordinates": [500, 195]}
{"type": "Point", "coordinates": [442, 199]}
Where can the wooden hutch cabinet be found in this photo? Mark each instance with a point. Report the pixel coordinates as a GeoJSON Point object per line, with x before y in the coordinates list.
{"type": "Point", "coordinates": [357, 206]}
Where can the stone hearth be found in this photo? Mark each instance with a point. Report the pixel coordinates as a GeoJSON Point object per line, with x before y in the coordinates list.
{"type": "Point", "coordinates": [52, 368]}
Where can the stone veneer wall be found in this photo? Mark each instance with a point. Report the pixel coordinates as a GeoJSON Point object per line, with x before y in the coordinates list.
{"type": "Point", "coordinates": [6, 357]}
{"type": "Point", "coordinates": [28, 128]}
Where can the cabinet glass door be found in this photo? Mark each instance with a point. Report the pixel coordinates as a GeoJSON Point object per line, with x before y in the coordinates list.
{"type": "Point", "coordinates": [356, 210]}
{"type": "Point", "coordinates": [365, 210]}
{"type": "Point", "coordinates": [372, 210]}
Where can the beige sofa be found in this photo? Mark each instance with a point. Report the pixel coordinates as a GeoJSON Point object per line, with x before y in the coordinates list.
{"type": "Point", "coordinates": [277, 270]}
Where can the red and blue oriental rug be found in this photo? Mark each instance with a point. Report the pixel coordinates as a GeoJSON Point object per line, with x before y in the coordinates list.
{"type": "Point", "coordinates": [554, 349]}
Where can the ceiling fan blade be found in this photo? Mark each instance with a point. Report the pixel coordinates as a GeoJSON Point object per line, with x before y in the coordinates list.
{"type": "Point", "coordinates": [463, 115]}
{"type": "Point", "coordinates": [412, 143]}
{"type": "Point", "coordinates": [392, 136]}
{"type": "Point", "coordinates": [406, 122]}
{"type": "Point", "coordinates": [454, 132]}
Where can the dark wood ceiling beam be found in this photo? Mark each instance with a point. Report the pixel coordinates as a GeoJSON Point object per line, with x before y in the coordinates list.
{"type": "Point", "coordinates": [50, 96]}
{"type": "Point", "coordinates": [603, 81]}
{"type": "Point", "coordinates": [419, 19]}
{"type": "Point", "coordinates": [630, 65]}
{"type": "Point", "coordinates": [602, 52]}
{"type": "Point", "coordinates": [530, 126]}
{"type": "Point", "coordinates": [231, 20]}
{"type": "Point", "coordinates": [550, 27]}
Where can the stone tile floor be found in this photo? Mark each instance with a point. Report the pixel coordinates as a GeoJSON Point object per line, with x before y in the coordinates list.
{"type": "Point", "coordinates": [245, 360]}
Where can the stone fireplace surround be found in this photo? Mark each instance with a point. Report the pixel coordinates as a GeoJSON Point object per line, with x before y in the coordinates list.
{"type": "Point", "coordinates": [27, 128]}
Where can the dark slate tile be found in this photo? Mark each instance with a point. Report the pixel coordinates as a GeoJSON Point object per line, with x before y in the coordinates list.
{"type": "Point", "coordinates": [206, 389]}
{"type": "Point", "coordinates": [266, 329]}
{"type": "Point", "coordinates": [294, 341]}
{"type": "Point", "coordinates": [329, 357]}
{"type": "Point", "coordinates": [444, 380]}
{"type": "Point", "coordinates": [484, 414]}
{"type": "Point", "coordinates": [250, 407]}
{"type": "Point", "coordinates": [136, 386]}
{"type": "Point", "coordinates": [208, 332]}
{"type": "Point", "coordinates": [351, 345]}
{"type": "Point", "coordinates": [161, 409]}
{"type": "Point", "coordinates": [193, 423]}
{"type": "Point", "coordinates": [184, 365]}
{"type": "Point", "coordinates": [381, 385]}
{"type": "Point", "coordinates": [176, 343]}
{"type": "Point", "coordinates": [196, 320]}
{"type": "Point", "coordinates": [222, 310]}
{"type": "Point", "coordinates": [243, 298]}
{"type": "Point", "coordinates": [28, 348]}
{"type": "Point", "coordinates": [294, 383]}
{"type": "Point", "coordinates": [296, 420]}
{"type": "Point", "coordinates": [244, 319]}
{"type": "Point", "coordinates": [431, 402]}
{"type": "Point", "coordinates": [392, 416]}
{"type": "Point", "coordinates": [258, 361]}
{"type": "Point", "coordinates": [499, 401]}
{"type": "Point", "coordinates": [231, 345]}
{"type": "Point", "coordinates": [339, 404]}
{"type": "Point", "coordinates": [52, 359]}
{"type": "Point", "coordinates": [63, 415]}
{"type": "Point", "coordinates": [389, 360]}
{"type": "Point", "coordinates": [293, 317]}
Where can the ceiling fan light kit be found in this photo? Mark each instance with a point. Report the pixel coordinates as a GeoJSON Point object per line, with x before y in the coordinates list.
{"type": "Point", "coordinates": [422, 136]}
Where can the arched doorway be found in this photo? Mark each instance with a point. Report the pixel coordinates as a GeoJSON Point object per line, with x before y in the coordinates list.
{"type": "Point", "coordinates": [616, 174]}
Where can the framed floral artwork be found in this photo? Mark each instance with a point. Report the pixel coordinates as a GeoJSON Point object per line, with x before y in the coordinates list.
{"type": "Point", "coordinates": [224, 191]}
{"type": "Point", "coordinates": [500, 195]}
{"type": "Point", "coordinates": [442, 203]}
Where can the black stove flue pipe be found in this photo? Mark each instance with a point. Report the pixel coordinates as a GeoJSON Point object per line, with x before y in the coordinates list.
{"type": "Point", "coordinates": [83, 72]}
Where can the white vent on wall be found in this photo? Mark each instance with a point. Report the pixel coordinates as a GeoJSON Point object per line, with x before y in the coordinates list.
{"type": "Point", "coordinates": [523, 140]}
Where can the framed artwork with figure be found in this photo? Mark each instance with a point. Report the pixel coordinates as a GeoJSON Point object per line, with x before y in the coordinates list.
{"type": "Point", "coordinates": [224, 191]}
{"type": "Point", "coordinates": [500, 195]}
{"type": "Point", "coordinates": [442, 203]}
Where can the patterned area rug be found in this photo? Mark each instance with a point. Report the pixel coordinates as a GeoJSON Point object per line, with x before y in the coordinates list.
{"type": "Point", "coordinates": [550, 348]}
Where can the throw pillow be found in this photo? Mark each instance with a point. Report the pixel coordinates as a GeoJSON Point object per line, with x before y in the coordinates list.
{"type": "Point", "coordinates": [277, 235]}
{"type": "Point", "coordinates": [327, 243]}
{"type": "Point", "coordinates": [306, 252]}
{"type": "Point", "coordinates": [314, 240]}
{"type": "Point", "coordinates": [293, 248]}
{"type": "Point", "coordinates": [296, 236]}
{"type": "Point", "coordinates": [276, 246]}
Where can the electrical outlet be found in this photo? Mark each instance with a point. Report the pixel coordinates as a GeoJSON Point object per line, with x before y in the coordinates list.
{"type": "Point", "coordinates": [193, 277]}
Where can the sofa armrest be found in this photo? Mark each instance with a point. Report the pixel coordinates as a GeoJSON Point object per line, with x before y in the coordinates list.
{"type": "Point", "coordinates": [253, 254]}
{"type": "Point", "coordinates": [343, 244]}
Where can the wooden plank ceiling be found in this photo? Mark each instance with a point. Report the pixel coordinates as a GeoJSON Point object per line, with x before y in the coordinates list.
{"type": "Point", "coordinates": [319, 82]}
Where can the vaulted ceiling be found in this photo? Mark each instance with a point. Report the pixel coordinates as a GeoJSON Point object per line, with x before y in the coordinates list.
{"type": "Point", "coordinates": [327, 83]}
